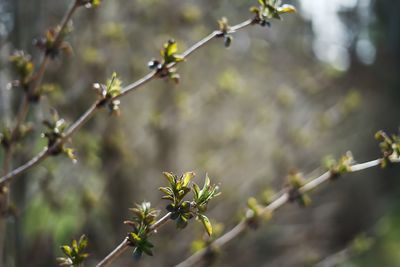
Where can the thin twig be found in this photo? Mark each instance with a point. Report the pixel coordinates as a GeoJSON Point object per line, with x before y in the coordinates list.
{"type": "Point", "coordinates": [274, 205]}
{"type": "Point", "coordinates": [121, 248]}
{"type": "Point", "coordinates": [127, 89]}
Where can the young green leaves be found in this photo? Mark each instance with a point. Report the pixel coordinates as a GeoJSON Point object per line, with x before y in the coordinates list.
{"type": "Point", "coordinates": [143, 218]}
{"type": "Point", "coordinates": [170, 57]}
{"type": "Point", "coordinates": [270, 9]}
{"type": "Point", "coordinates": [75, 254]}
{"type": "Point", "coordinates": [107, 92]}
{"type": "Point", "coordinates": [390, 147]}
{"type": "Point", "coordinates": [183, 210]}
{"type": "Point", "coordinates": [55, 132]}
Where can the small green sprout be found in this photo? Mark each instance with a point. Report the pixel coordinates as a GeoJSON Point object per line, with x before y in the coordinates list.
{"type": "Point", "coordinates": [75, 254]}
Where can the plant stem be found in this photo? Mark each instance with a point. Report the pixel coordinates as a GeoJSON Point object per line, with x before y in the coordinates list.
{"type": "Point", "coordinates": [278, 202]}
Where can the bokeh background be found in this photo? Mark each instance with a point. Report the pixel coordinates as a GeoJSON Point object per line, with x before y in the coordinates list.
{"type": "Point", "coordinates": [320, 82]}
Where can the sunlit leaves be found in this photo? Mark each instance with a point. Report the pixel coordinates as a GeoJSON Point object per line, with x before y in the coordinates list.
{"type": "Point", "coordinates": [203, 196]}
{"type": "Point", "coordinates": [183, 210]}
{"type": "Point", "coordinates": [170, 52]}
{"type": "Point", "coordinates": [75, 254]}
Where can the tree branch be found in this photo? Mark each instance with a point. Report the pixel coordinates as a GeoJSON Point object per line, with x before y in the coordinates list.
{"type": "Point", "coordinates": [278, 202]}
{"type": "Point", "coordinates": [127, 89]}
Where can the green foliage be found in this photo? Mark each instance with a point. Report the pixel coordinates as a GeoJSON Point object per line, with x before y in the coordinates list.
{"type": "Point", "coordinates": [75, 253]}
{"type": "Point", "coordinates": [340, 167]}
{"type": "Point", "coordinates": [270, 9]}
{"type": "Point", "coordinates": [108, 92]}
{"type": "Point", "coordinates": [56, 127]}
{"type": "Point", "coordinates": [390, 147]}
{"type": "Point", "coordinates": [295, 182]}
{"type": "Point", "coordinates": [143, 218]}
{"type": "Point", "coordinates": [183, 210]}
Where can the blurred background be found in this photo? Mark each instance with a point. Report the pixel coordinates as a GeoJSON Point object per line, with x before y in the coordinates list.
{"type": "Point", "coordinates": [320, 82]}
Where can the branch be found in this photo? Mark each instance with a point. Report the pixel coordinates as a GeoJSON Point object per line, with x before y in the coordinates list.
{"type": "Point", "coordinates": [25, 103]}
{"type": "Point", "coordinates": [127, 89]}
{"type": "Point", "coordinates": [121, 248]}
{"type": "Point", "coordinates": [278, 202]}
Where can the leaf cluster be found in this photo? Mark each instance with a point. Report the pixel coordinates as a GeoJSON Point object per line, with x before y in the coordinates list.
{"type": "Point", "coordinates": [183, 210]}
{"type": "Point", "coordinates": [75, 254]}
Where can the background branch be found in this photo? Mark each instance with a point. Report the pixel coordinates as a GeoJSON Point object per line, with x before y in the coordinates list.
{"type": "Point", "coordinates": [274, 205]}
